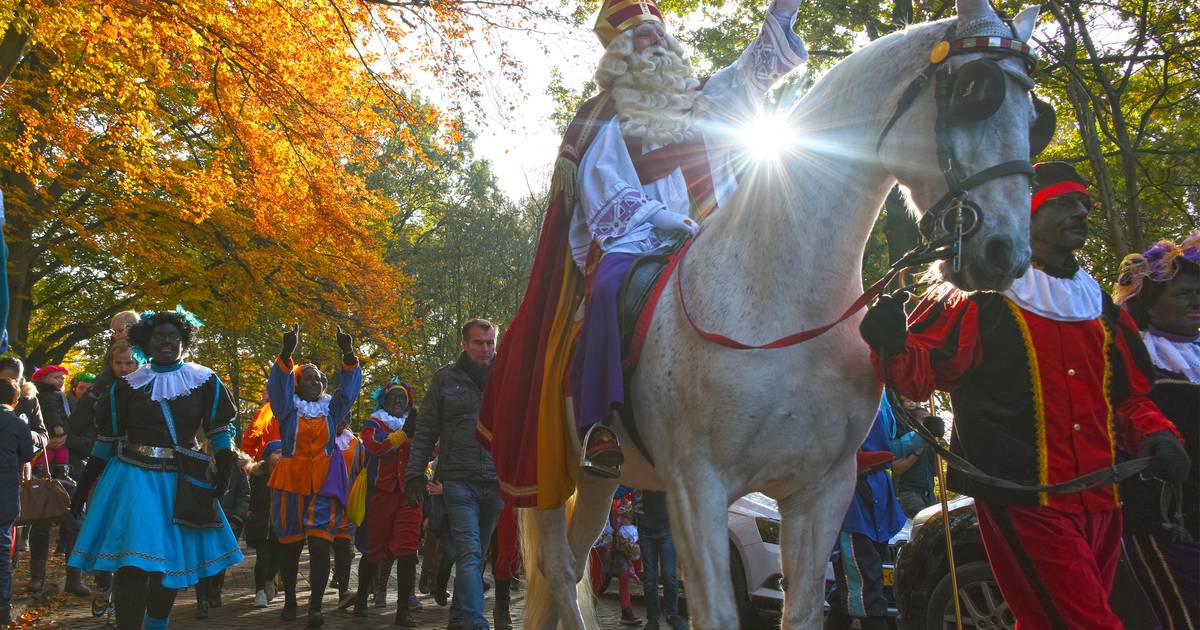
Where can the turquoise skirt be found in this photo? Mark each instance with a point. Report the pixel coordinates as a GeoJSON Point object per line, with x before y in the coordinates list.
{"type": "Point", "coordinates": [128, 524]}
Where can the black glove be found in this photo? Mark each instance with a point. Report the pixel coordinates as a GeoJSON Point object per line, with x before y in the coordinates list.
{"type": "Point", "coordinates": [91, 473]}
{"type": "Point", "coordinates": [936, 425]}
{"type": "Point", "coordinates": [345, 343]}
{"type": "Point", "coordinates": [225, 462]}
{"type": "Point", "coordinates": [290, 339]}
{"type": "Point", "coordinates": [414, 490]}
{"type": "Point", "coordinates": [1168, 459]}
{"type": "Point", "coordinates": [885, 326]}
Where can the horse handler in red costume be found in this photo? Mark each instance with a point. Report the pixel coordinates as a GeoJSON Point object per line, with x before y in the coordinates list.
{"type": "Point", "coordinates": [1045, 382]}
{"type": "Point", "coordinates": [393, 526]}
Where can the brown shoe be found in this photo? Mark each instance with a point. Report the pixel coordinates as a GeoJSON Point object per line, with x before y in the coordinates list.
{"type": "Point", "coordinates": [602, 452]}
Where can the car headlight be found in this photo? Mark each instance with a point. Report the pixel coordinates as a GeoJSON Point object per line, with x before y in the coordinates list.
{"type": "Point", "coordinates": [768, 529]}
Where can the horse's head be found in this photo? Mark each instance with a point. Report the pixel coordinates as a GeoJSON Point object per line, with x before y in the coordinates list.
{"type": "Point", "coordinates": [961, 140]}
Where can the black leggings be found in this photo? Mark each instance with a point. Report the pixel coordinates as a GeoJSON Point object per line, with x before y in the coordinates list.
{"type": "Point", "coordinates": [343, 556]}
{"type": "Point", "coordinates": [318, 569]}
{"type": "Point", "coordinates": [266, 564]}
{"type": "Point", "coordinates": [139, 594]}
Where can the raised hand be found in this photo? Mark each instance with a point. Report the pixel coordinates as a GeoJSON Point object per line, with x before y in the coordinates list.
{"type": "Point", "coordinates": [290, 339]}
{"type": "Point", "coordinates": [345, 342]}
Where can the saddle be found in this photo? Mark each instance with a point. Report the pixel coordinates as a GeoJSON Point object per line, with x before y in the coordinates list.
{"type": "Point", "coordinates": [640, 289]}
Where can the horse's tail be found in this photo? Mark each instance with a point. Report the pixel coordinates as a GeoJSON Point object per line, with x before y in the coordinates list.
{"type": "Point", "coordinates": [540, 613]}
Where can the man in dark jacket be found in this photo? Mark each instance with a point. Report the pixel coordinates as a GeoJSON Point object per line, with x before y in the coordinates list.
{"type": "Point", "coordinates": [27, 405]}
{"type": "Point", "coordinates": [16, 448]}
{"type": "Point", "coordinates": [447, 418]}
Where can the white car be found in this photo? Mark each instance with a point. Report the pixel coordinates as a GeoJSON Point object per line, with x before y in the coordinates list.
{"type": "Point", "coordinates": [754, 560]}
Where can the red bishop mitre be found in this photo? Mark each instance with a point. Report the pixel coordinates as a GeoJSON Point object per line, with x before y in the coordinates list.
{"type": "Point", "coordinates": [618, 16]}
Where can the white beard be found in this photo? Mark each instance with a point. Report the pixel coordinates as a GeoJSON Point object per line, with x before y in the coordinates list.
{"type": "Point", "coordinates": [658, 98]}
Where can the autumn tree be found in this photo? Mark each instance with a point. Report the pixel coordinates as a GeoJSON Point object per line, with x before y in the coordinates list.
{"type": "Point", "coordinates": [213, 154]}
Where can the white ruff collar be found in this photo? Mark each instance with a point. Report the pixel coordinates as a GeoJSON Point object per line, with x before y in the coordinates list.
{"type": "Point", "coordinates": [391, 422]}
{"type": "Point", "coordinates": [169, 385]}
{"type": "Point", "coordinates": [318, 408]}
{"type": "Point", "coordinates": [344, 439]}
{"type": "Point", "coordinates": [1075, 299]}
{"type": "Point", "coordinates": [1174, 356]}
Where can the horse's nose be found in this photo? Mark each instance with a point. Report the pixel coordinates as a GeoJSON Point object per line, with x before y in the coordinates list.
{"type": "Point", "coordinates": [998, 255]}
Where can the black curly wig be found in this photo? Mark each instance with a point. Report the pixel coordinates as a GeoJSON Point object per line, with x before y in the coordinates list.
{"type": "Point", "coordinates": [139, 333]}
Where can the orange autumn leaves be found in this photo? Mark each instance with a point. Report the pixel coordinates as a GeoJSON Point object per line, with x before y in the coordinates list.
{"type": "Point", "coordinates": [212, 153]}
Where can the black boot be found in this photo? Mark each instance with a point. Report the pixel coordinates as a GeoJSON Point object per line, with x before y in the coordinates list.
{"type": "Point", "coordinates": [366, 577]}
{"type": "Point", "coordinates": [75, 585]}
{"type": "Point", "coordinates": [289, 606]}
{"type": "Point", "coordinates": [501, 619]}
{"type": "Point", "coordinates": [406, 568]}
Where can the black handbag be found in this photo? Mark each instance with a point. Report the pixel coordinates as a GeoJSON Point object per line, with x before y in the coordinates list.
{"type": "Point", "coordinates": [195, 505]}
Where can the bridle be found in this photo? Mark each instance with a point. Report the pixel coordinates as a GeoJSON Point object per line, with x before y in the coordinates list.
{"type": "Point", "coordinates": [955, 215]}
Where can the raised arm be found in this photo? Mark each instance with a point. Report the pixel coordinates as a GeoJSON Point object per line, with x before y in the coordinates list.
{"type": "Point", "coordinates": [281, 383]}
{"type": "Point", "coordinates": [741, 87]}
{"type": "Point", "coordinates": [350, 382]}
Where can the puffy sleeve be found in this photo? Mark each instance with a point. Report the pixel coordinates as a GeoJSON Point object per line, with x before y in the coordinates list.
{"type": "Point", "coordinates": [940, 348]}
{"type": "Point", "coordinates": [1137, 415]}
{"type": "Point", "coordinates": [281, 388]}
{"type": "Point", "coordinates": [612, 207]}
{"type": "Point", "coordinates": [740, 88]}
{"type": "Point", "coordinates": [219, 417]}
{"type": "Point", "coordinates": [347, 392]}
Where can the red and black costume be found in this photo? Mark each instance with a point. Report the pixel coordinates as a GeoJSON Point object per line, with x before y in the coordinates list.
{"type": "Point", "coordinates": [1046, 385]}
{"type": "Point", "coordinates": [1036, 401]}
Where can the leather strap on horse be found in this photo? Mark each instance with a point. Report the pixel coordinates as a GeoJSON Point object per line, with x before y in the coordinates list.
{"type": "Point", "coordinates": [872, 292]}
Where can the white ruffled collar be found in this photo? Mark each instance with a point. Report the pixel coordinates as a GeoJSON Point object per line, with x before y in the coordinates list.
{"type": "Point", "coordinates": [170, 382]}
{"type": "Point", "coordinates": [1174, 355]}
{"type": "Point", "coordinates": [344, 439]}
{"type": "Point", "coordinates": [391, 422]}
{"type": "Point", "coordinates": [318, 408]}
{"type": "Point", "coordinates": [1075, 299]}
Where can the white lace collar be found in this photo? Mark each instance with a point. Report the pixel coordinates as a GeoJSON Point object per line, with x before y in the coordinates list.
{"type": "Point", "coordinates": [318, 408]}
{"type": "Point", "coordinates": [1075, 299]}
{"type": "Point", "coordinates": [1174, 354]}
{"type": "Point", "coordinates": [344, 439]}
{"type": "Point", "coordinates": [169, 382]}
{"type": "Point", "coordinates": [391, 422]}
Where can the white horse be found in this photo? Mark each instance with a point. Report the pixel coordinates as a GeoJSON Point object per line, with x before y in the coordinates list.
{"type": "Point", "coordinates": [785, 254]}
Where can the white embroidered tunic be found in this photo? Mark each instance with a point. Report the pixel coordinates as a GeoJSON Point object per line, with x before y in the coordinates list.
{"type": "Point", "coordinates": [614, 208]}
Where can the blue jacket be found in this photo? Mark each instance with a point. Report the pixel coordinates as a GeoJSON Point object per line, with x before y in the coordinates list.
{"type": "Point", "coordinates": [874, 512]}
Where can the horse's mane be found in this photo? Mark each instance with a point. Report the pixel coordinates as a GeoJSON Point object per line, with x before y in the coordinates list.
{"type": "Point", "coordinates": [899, 54]}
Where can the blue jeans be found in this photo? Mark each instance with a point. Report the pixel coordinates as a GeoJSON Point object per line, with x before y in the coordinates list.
{"type": "Point", "coordinates": [472, 509]}
{"type": "Point", "coordinates": [9, 507]}
{"type": "Point", "coordinates": [659, 551]}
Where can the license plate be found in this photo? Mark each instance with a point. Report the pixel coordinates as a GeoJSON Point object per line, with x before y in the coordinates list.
{"type": "Point", "coordinates": [887, 576]}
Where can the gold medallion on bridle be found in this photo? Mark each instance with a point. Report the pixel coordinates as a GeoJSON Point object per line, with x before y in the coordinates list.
{"type": "Point", "coordinates": [939, 52]}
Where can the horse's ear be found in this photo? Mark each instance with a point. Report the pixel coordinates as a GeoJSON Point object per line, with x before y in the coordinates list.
{"type": "Point", "coordinates": [971, 10]}
{"type": "Point", "coordinates": [1025, 21]}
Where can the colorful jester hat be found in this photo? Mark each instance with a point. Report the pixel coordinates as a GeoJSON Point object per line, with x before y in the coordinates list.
{"type": "Point", "coordinates": [381, 393]}
{"type": "Point", "coordinates": [1158, 264]}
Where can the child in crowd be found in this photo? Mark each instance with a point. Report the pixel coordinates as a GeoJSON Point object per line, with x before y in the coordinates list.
{"type": "Point", "coordinates": [258, 532]}
{"type": "Point", "coordinates": [121, 322]}
{"type": "Point", "coordinates": [625, 552]}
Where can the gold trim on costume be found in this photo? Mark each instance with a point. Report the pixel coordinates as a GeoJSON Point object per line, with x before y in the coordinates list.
{"type": "Point", "coordinates": [1039, 402]}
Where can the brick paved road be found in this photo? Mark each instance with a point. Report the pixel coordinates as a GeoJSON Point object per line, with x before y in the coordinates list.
{"type": "Point", "coordinates": [73, 613]}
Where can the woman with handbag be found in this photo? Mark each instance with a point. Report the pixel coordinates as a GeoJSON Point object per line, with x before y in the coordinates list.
{"type": "Point", "coordinates": [310, 484]}
{"type": "Point", "coordinates": [16, 447]}
{"type": "Point", "coordinates": [393, 526]}
{"type": "Point", "coordinates": [153, 517]}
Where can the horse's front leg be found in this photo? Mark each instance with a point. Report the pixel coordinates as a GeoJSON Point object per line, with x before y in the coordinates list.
{"type": "Point", "coordinates": [811, 519]}
{"type": "Point", "coordinates": [698, 504]}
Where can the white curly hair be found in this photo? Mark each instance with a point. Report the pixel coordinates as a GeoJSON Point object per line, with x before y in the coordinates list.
{"type": "Point", "coordinates": [657, 94]}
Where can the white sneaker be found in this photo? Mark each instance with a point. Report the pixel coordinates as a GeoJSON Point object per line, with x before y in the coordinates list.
{"type": "Point", "coordinates": [260, 599]}
{"type": "Point", "coordinates": [271, 592]}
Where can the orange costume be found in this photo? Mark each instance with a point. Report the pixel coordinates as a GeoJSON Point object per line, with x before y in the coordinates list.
{"type": "Point", "coordinates": [309, 485]}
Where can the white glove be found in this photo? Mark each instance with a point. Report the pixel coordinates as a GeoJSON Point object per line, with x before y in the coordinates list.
{"type": "Point", "coordinates": [785, 8]}
{"type": "Point", "coordinates": [668, 221]}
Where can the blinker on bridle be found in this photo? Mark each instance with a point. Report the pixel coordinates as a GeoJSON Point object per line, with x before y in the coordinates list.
{"type": "Point", "coordinates": [972, 93]}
